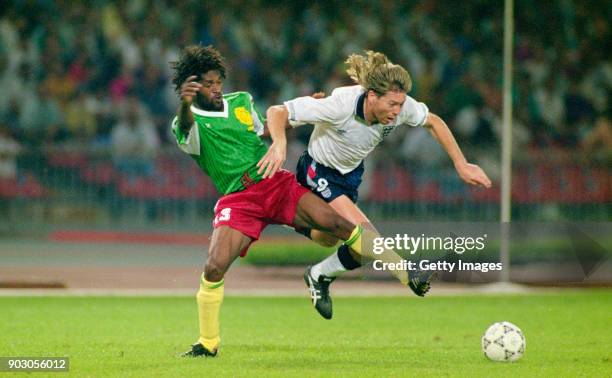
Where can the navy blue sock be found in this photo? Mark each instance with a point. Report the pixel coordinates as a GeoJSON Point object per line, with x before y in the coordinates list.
{"type": "Point", "coordinates": [346, 259]}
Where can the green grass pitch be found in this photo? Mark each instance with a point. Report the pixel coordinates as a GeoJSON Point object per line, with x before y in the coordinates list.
{"type": "Point", "coordinates": [568, 333]}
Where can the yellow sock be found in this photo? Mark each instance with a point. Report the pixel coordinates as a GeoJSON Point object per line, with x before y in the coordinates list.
{"type": "Point", "coordinates": [210, 297]}
{"type": "Point", "coordinates": [362, 242]}
{"type": "Point", "coordinates": [354, 241]}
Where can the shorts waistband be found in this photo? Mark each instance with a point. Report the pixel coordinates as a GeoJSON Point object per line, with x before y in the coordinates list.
{"type": "Point", "coordinates": [316, 163]}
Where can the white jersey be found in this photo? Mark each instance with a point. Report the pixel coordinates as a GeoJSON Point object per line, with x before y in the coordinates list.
{"type": "Point", "coordinates": [341, 139]}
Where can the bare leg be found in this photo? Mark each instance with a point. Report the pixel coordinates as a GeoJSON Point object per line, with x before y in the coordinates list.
{"type": "Point", "coordinates": [225, 246]}
{"type": "Point", "coordinates": [349, 210]}
{"type": "Point", "coordinates": [313, 212]}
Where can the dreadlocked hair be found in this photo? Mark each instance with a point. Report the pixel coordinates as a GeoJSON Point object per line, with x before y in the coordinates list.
{"type": "Point", "coordinates": [375, 72]}
{"type": "Point", "coordinates": [196, 60]}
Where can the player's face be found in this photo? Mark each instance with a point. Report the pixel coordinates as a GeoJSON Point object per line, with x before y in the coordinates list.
{"type": "Point", "coordinates": [210, 95]}
{"type": "Point", "coordinates": [388, 106]}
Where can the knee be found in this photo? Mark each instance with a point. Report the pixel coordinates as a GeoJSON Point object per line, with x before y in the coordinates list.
{"type": "Point", "coordinates": [339, 225]}
{"type": "Point", "coordinates": [323, 239]}
{"type": "Point", "coordinates": [214, 270]}
{"type": "Point", "coordinates": [328, 242]}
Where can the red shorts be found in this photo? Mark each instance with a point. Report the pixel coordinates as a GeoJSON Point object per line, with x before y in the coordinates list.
{"type": "Point", "coordinates": [270, 201]}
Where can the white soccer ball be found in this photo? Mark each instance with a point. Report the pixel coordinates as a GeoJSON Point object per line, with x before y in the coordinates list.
{"type": "Point", "coordinates": [503, 341]}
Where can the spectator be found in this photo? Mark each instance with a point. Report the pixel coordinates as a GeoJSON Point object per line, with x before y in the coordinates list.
{"type": "Point", "coordinates": [598, 140]}
{"type": "Point", "coordinates": [41, 118]}
{"type": "Point", "coordinates": [546, 105]}
{"type": "Point", "coordinates": [9, 149]}
{"type": "Point", "coordinates": [81, 118]}
{"type": "Point", "coordinates": [578, 109]}
{"type": "Point", "coordinates": [134, 141]}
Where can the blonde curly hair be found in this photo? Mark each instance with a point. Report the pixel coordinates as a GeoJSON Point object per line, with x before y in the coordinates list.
{"type": "Point", "coordinates": [375, 72]}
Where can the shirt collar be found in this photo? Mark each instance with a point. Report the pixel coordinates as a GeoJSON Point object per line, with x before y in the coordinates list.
{"type": "Point", "coordinates": [207, 113]}
{"type": "Point", "coordinates": [359, 108]}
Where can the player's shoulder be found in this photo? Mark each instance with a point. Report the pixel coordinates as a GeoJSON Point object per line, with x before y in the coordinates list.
{"type": "Point", "coordinates": [348, 92]}
{"type": "Point", "coordinates": [238, 97]}
{"type": "Point", "coordinates": [346, 97]}
{"type": "Point", "coordinates": [413, 113]}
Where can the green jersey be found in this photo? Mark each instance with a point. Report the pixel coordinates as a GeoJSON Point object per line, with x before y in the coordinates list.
{"type": "Point", "coordinates": [226, 144]}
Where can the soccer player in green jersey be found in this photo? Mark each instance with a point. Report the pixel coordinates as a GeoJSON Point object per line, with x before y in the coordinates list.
{"type": "Point", "coordinates": [221, 133]}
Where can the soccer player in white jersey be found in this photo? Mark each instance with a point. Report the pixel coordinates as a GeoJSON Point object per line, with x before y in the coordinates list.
{"type": "Point", "coordinates": [348, 125]}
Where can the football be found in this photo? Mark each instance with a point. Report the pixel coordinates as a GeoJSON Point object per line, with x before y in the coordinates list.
{"type": "Point", "coordinates": [503, 341]}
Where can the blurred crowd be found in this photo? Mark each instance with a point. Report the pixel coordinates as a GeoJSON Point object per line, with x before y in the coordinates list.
{"type": "Point", "coordinates": [96, 74]}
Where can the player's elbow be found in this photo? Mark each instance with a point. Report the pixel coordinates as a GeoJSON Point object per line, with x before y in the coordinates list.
{"type": "Point", "coordinates": [278, 114]}
{"type": "Point", "coordinates": [277, 111]}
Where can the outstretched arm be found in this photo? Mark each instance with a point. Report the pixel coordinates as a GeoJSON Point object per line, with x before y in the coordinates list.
{"type": "Point", "coordinates": [272, 161]}
{"type": "Point", "coordinates": [470, 173]}
{"type": "Point", "coordinates": [266, 133]}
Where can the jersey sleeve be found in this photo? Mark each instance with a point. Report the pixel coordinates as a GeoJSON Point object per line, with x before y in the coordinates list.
{"type": "Point", "coordinates": [308, 109]}
{"type": "Point", "coordinates": [258, 120]}
{"type": "Point", "coordinates": [413, 113]}
{"type": "Point", "coordinates": [190, 142]}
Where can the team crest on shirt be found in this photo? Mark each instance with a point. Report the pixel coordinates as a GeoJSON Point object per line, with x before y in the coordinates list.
{"type": "Point", "coordinates": [387, 130]}
{"type": "Point", "coordinates": [244, 117]}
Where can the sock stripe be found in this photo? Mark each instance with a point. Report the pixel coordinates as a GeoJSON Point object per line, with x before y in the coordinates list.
{"type": "Point", "coordinates": [354, 236]}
